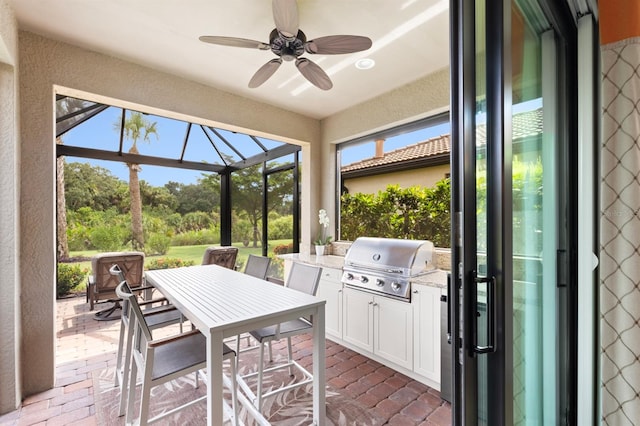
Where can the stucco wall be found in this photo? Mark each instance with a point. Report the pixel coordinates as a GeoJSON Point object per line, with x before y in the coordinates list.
{"type": "Point", "coordinates": [9, 225]}
{"type": "Point", "coordinates": [422, 98]}
{"type": "Point", "coordinates": [8, 34]}
{"type": "Point", "coordinates": [372, 184]}
{"type": "Point", "coordinates": [48, 66]}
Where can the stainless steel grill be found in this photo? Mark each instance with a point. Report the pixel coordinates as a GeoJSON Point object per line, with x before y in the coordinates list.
{"type": "Point", "coordinates": [387, 265]}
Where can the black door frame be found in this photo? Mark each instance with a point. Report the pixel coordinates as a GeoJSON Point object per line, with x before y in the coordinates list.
{"type": "Point", "coordinates": [463, 204]}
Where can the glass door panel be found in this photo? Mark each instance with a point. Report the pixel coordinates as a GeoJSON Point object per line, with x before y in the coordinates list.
{"type": "Point", "coordinates": [510, 292]}
{"type": "Point", "coordinates": [482, 315]}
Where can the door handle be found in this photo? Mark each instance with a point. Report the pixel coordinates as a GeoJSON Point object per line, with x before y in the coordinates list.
{"type": "Point", "coordinates": [447, 299]}
{"type": "Point", "coordinates": [490, 347]}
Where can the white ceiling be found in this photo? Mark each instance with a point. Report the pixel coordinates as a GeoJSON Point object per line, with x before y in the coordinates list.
{"type": "Point", "coordinates": [410, 40]}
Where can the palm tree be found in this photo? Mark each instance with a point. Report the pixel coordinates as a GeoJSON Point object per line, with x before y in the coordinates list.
{"type": "Point", "coordinates": [61, 209]}
{"type": "Point", "coordinates": [63, 107]}
{"type": "Point", "coordinates": [137, 127]}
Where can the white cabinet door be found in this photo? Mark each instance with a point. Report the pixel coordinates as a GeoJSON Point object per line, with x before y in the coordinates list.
{"type": "Point", "coordinates": [358, 318]}
{"type": "Point", "coordinates": [330, 289]}
{"type": "Point", "coordinates": [393, 329]}
{"type": "Point", "coordinates": [426, 323]}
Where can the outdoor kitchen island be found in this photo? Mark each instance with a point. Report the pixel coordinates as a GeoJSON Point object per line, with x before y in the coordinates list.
{"type": "Point", "coordinates": [402, 334]}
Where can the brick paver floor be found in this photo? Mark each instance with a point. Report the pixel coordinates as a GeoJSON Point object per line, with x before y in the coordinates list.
{"type": "Point", "coordinates": [84, 345]}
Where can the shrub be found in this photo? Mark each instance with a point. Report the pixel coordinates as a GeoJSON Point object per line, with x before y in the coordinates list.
{"type": "Point", "coordinates": [196, 221]}
{"type": "Point", "coordinates": [78, 238]}
{"type": "Point", "coordinates": [168, 263]}
{"type": "Point", "coordinates": [69, 277]}
{"type": "Point", "coordinates": [414, 213]}
{"type": "Point", "coordinates": [157, 244]}
{"type": "Point", "coordinates": [196, 238]}
{"type": "Point", "coordinates": [108, 238]}
{"type": "Point", "coordinates": [281, 228]}
{"type": "Point", "coordinates": [283, 249]}
{"type": "Point", "coordinates": [241, 230]}
{"type": "Point", "coordinates": [153, 224]}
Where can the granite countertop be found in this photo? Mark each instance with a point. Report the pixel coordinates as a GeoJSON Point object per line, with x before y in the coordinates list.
{"type": "Point", "coordinates": [436, 278]}
{"type": "Point", "coordinates": [329, 261]}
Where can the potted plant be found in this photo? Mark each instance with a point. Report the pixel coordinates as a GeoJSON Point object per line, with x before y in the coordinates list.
{"type": "Point", "coordinates": [322, 241]}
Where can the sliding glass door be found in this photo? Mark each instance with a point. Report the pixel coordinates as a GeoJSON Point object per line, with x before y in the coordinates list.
{"type": "Point", "coordinates": [514, 197]}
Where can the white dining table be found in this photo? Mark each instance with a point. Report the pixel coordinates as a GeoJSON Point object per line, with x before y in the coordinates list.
{"type": "Point", "coordinates": [222, 302]}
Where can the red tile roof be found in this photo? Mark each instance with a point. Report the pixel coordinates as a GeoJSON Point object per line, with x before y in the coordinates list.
{"type": "Point", "coordinates": [429, 148]}
{"type": "Point", "coordinates": [524, 125]}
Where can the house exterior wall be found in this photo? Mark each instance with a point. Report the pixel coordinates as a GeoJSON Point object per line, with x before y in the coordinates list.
{"type": "Point", "coordinates": [48, 67]}
{"type": "Point", "coordinates": [9, 223]}
{"type": "Point", "coordinates": [426, 177]}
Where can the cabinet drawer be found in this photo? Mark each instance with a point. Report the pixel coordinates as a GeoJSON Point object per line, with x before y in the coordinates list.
{"type": "Point", "coordinates": [331, 274]}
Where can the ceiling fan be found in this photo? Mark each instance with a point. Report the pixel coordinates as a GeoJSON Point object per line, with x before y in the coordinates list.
{"type": "Point", "coordinates": [288, 42]}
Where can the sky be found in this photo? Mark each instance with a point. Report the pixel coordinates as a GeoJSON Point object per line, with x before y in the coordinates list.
{"type": "Point", "coordinates": [102, 132]}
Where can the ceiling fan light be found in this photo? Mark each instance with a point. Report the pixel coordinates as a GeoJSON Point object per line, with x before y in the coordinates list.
{"type": "Point", "coordinates": [365, 63]}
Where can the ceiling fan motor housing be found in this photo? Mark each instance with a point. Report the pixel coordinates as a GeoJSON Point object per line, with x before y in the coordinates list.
{"type": "Point", "coordinates": [286, 47]}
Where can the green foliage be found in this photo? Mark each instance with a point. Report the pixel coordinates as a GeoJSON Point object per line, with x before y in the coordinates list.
{"type": "Point", "coordinates": [93, 187]}
{"type": "Point", "coordinates": [157, 198]}
{"type": "Point", "coordinates": [157, 244]}
{"type": "Point", "coordinates": [78, 237]}
{"type": "Point", "coordinates": [108, 238]}
{"type": "Point", "coordinates": [196, 221]}
{"type": "Point", "coordinates": [203, 196]}
{"type": "Point", "coordinates": [69, 278]}
{"type": "Point", "coordinates": [280, 228]}
{"type": "Point", "coordinates": [82, 223]}
{"type": "Point", "coordinates": [174, 222]}
{"type": "Point", "coordinates": [192, 238]}
{"type": "Point", "coordinates": [137, 127]}
{"type": "Point", "coordinates": [154, 224]}
{"type": "Point", "coordinates": [241, 230]}
{"type": "Point", "coordinates": [411, 213]}
{"type": "Point", "coordinates": [247, 185]}
{"type": "Point", "coordinates": [168, 262]}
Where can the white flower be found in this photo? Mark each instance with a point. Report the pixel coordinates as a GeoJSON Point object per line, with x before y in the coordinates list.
{"type": "Point", "coordinates": [323, 219]}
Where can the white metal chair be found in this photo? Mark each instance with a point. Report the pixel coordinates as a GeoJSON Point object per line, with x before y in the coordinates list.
{"type": "Point", "coordinates": [256, 266]}
{"type": "Point", "coordinates": [304, 278]}
{"type": "Point", "coordinates": [156, 316]}
{"type": "Point", "coordinates": [163, 360]}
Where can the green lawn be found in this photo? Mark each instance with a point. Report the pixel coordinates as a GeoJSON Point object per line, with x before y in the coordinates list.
{"type": "Point", "coordinates": [186, 253]}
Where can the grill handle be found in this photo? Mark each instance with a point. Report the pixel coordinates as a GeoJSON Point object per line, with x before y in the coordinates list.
{"type": "Point", "coordinates": [370, 269]}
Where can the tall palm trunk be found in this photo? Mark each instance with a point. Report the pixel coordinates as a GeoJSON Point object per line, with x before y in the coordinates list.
{"type": "Point", "coordinates": [136, 127]}
{"type": "Point", "coordinates": [62, 246]}
{"type": "Point", "coordinates": [136, 208]}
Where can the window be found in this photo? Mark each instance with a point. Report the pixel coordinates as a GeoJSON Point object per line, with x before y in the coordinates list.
{"type": "Point", "coordinates": [396, 183]}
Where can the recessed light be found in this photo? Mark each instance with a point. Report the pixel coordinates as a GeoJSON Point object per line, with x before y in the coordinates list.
{"type": "Point", "coordinates": [365, 63]}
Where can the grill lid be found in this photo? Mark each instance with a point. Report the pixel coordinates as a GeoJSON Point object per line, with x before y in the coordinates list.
{"type": "Point", "coordinates": [408, 258]}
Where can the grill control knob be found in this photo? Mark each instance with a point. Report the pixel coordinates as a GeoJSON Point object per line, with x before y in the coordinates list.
{"type": "Point", "coordinates": [349, 276]}
{"type": "Point", "coordinates": [364, 279]}
{"type": "Point", "coordinates": [379, 282]}
{"type": "Point", "coordinates": [395, 286]}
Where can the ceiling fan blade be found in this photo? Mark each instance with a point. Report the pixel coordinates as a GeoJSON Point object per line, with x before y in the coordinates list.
{"type": "Point", "coordinates": [338, 44]}
{"type": "Point", "coordinates": [264, 72]}
{"type": "Point", "coordinates": [235, 42]}
{"type": "Point", "coordinates": [285, 15]}
{"type": "Point", "coordinates": [312, 72]}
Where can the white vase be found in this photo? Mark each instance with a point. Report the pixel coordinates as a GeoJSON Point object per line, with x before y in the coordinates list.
{"type": "Point", "coordinates": [320, 250]}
